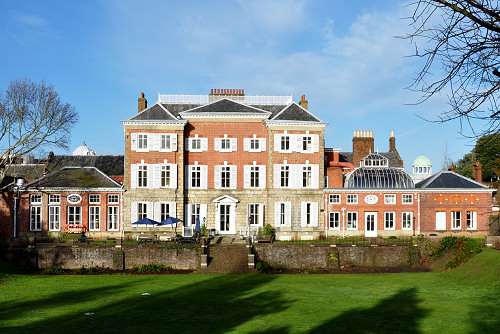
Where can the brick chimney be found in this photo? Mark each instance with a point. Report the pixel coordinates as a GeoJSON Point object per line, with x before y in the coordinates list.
{"type": "Point", "coordinates": [362, 145]}
{"type": "Point", "coordinates": [452, 168]}
{"type": "Point", "coordinates": [217, 94]}
{"type": "Point", "coordinates": [142, 103]}
{"type": "Point", "coordinates": [478, 173]}
{"type": "Point", "coordinates": [392, 147]}
{"type": "Point", "coordinates": [303, 102]}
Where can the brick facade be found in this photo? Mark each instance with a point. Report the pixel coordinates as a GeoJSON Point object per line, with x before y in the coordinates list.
{"type": "Point", "coordinates": [102, 230]}
{"type": "Point", "coordinates": [212, 196]}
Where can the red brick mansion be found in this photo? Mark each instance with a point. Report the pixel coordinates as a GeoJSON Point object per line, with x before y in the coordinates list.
{"type": "Point", "coordinates": [234, 163]}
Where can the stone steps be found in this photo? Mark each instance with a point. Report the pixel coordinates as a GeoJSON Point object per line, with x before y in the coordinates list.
{"type": "Point", "coordinates": [227, 258]}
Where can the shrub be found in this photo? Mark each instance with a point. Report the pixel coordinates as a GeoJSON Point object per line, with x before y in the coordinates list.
{"type": "Point", "coordinates": [55, 270]}
{"type": "Point", "coordinates": [263, 267]}
{"type": "Point", "coordinates": [150, 268]}
{"type": "Point", "coordinates": [269, 231]}
{"type": "Point", "coordinates": [85, 270]}
{"type": "Point", "coordinates": [463, 249]}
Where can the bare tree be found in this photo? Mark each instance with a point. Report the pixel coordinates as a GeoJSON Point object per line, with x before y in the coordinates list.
{"type": "Point", "coordinates": [459, 41]}
{"type": "Point", "coordinates": [32, 117]}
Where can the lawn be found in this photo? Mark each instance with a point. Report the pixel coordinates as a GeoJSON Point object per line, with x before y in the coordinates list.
{"type": "Point", "coordinates": [464, 300]}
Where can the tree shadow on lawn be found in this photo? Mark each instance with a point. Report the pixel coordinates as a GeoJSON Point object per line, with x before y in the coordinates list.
{"type": "Point", "coordinates": [213, 305]}
{"type": "Point", "coordinates": [485, 316]}
{"type": "Point", "coordinates": [10, 310]}
{"type": "Point", "coordinates": [399, 313]}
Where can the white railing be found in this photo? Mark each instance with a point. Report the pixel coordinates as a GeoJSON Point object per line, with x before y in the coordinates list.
{"type": "Point", "coordinates": [183, 99]}
{"type": "Point", "coordinates": [204, 99]}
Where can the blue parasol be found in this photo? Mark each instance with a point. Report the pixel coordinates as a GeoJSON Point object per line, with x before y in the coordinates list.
{"type": "Point", "coordinates": [197, 228]}
{"type": "Point", "coordinates": [170, 221]}
{"type": "Point", "coordinates": [145, 221]}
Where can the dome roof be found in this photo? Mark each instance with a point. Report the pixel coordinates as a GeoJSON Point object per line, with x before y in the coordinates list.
{"type": "Point", "coordinates": [422, 161]}
{"type": "Point", "coordinates": [379, 178]}
{"type": "Point", "coordinates": [83, 150]}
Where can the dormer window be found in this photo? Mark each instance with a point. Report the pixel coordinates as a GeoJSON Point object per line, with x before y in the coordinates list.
{"type": "Point", "coordinates": [374, 160]}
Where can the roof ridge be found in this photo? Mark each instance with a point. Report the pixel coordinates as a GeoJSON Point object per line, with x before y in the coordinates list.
{"type": "Point", "coordinates": [298, 105]}
{"type": "Point", "coordinates": [228, 100]}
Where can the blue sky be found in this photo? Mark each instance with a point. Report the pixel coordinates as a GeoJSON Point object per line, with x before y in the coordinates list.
{"type": "Point", "coordinates": [343, 55]}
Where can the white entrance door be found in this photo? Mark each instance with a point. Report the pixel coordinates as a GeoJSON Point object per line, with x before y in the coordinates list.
{"type": "Point", "coordinates": [225, 214]}
{"type": "Point", "coordinates": [441, 220]}
{"type": "Point", "coordinates": [224, 218]}
{"type": "Point", "coordinates": [370, 224]}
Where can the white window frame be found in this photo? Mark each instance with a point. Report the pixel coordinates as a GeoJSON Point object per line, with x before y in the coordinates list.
{"type": "Point", "coordinates": [282, 214]}
{"type": "Point", "coordinates": [142, 175]}
{"type": "Point", "coordinates": [165, 210]}
{"type": "Point", "coordinates": [456, 220]}
{"type": "Point", "coordinates": [407, 198]}
{"type": "Point", "coordinates": [192, 170]}
{"type": "Point", "coordinates": [142, 210]}
{"type": "Point", "coordinates": [471, 219]}
{"type": "Point", "coordinates": [334, 198]}
{"type": "Point", "coordinates": [142, 142]}
{"type": "Point", "coordinates": [166, 176]}
{"type": "Point", "coordinates": [36, 199]}
{"type": "Point", "coordinates": [308, 141]}
{"type": "Point", "coordinates": [94, 199]}
{"type": "Point", "coordinates": [74, 215]}
{"type": "Point", "coordinates": [170, 138]}
{"type": "Point", "coordinates": [35, 218]}
{"type": "Point", "coordinates": [352, 218]}
{"type": "Point", "coordinates": [352, 198]}
{"type": "Point", "coordinates": [111, 199]}
{"type": "Point", "coordinates": [258, 171]}
{"type": "Point", "coordinates": [113, 218]}
{"type": "Point", "coordinates": [334, 219]}
{"type": "Point", "coordinates": [196, 144]}
{"type": "Point", "coordinates": [285, 140]}
{"type": "Point", "coordinates": [307, 176]}
{"type": "Point", "coordinates": [54, 199]}
{"type": "Point", "coordinates": [94, 218]}
{"type": "Point", "coordinates": [255, 177]}
{"type": "Point", "coordinates": [405, 217]}
{"type": "Point", "coordinates": [391, 219]}
{"type": "Point", "coordinates": [389, 198]}
{"type": "Point", "coordinates": [225, 177]}
{"type": "Point", "coordinates": [259, 144]}
{"type": "Point", "coordinates": [284, 175]}
{"type": "Point", "coordinates": [309, 214]}
{"type": "Point", "coordinates": [54, 218]}
{"type": "Point", "coordinates": [255, 212]}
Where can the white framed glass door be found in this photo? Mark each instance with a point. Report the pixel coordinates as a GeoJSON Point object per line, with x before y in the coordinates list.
{"type": "Point", "coordinates": [370, 224]}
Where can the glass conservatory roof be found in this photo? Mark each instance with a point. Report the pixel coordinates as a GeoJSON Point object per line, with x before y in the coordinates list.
{"type": "Point", "coordinates": [380, 178]}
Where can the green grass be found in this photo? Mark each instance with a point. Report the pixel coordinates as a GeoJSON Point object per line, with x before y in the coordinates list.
{"type": "Point", "coordinates": [463, 300]}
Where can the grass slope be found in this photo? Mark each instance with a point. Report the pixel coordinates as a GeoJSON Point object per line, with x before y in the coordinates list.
{"type": "Point", "coordinates": [464, 300]}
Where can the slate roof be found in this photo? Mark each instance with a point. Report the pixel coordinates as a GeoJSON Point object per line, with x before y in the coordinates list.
{"type": "Point", "coordinates": [109, 164]}
{"type": "Point", "coordinates": [225, 106]}
{"type": "Point", "coordinates": [74, 177]}
{"type": "Point", "coordinates": [175, 109]}
{"type": "Point", "coordinates": [393, 160]}
{"type": "Point", "coordinates": [274, 109]}
{"type": "Point", "coordinates": [153, 113]}
{"type": "Point", "coordinates": [294, 112]}
{"type": "Point", "coordinates": [449, 180]}
{"type": "Point", "coordinates": [26, 171]}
